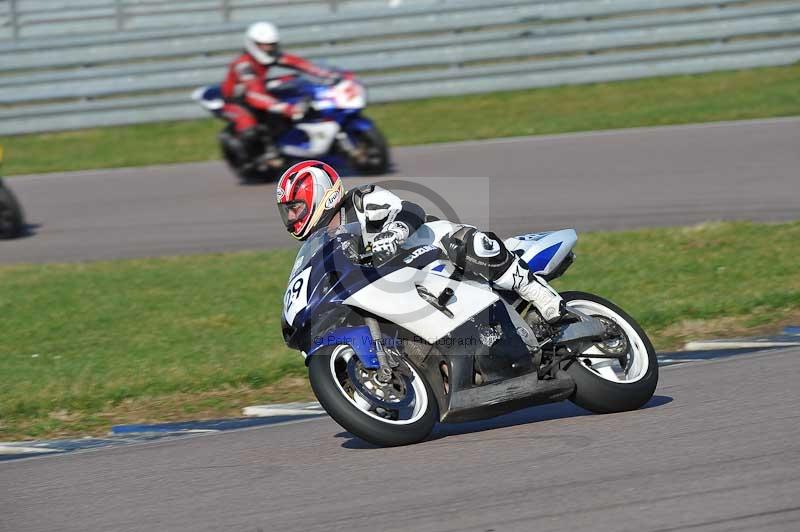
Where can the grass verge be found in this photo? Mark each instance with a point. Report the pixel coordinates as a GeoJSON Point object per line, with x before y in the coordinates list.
{"type": "Point", "coordinates": [88, 345]}
{"type": "Point", "coordinates": [756, 93]}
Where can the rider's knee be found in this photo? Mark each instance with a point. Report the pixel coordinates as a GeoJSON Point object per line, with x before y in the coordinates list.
{"type": "Point", "coordinates": [246, 123]}
{"type": "Point", "coordinates": [478, 253]}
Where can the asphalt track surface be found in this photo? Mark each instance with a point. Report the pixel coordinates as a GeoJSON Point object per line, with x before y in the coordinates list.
{"type": "Point", "coordinates": [591, 181]}
{"type": "Point", "coordinates": [717, 449]}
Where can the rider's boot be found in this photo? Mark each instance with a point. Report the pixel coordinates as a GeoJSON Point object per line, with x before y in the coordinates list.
{"type": "Point", "coordinates": [252, 144]}
{"type": "Point", "coordinates": [533, 289]}
{"type": "Point", "coordinates": [258, 150]}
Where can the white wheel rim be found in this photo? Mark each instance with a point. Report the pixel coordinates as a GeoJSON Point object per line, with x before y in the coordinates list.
{"type": "Point", "coordinates": [609, 368]}
{"type": "Point", "coordinates": [345, 353]}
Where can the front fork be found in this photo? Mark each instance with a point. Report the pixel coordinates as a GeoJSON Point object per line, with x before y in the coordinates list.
{"type": "Point", "coordinates": [345, 143]}
{"type": "Point", "coordinates": [386, 358]}
{"type": "Point", "coordinates": [355, 154]}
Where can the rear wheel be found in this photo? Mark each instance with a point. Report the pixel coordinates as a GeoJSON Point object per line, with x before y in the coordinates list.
{"type": "Point", "coordinates": [371, 155]}
{"type": "Point", "coordinates": [628, 379]}
{"type": "Point", "coordinates": [11, 219]}
{"type": "Point", "coordinates": [400, 412]}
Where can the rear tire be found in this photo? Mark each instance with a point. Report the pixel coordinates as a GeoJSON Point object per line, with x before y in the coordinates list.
{"type": "Point", "coordinates": [374, 150]}
{"type": "Point", "coordinates": [605, 390]}
{"type": "Point", "coordinates": [12, 223]}
{"type": "Point", "coordinates": [342, 407]}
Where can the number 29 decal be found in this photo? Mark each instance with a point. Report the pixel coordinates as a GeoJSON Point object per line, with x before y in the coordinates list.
{"type": "Point", "coordinates": [296, 295]}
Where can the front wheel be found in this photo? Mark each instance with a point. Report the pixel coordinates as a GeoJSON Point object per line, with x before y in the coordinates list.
{"type": "Point", "coordinates": [401, 412]}
{"type": "Point", "coordinates": [620, 383]}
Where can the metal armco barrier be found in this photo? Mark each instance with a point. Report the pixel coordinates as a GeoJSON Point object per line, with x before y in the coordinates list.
{"type": "Point", "coordinates": [115, 62]}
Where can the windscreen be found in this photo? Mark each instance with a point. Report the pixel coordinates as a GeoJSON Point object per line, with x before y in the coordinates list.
{"type": "Point", "coordinates": [317, 240]}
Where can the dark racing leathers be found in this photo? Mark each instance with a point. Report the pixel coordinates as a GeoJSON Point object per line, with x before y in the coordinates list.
{"type": "Point", "coordinates": [471, 251]}
{"type": "Point", "coordinates": [246, 97]}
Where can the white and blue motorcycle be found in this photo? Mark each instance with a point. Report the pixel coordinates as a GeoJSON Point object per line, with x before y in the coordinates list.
{"type": "Point", "coordinates": [334, 130]}
{"type": "Point", "coordinates": [394, 348]}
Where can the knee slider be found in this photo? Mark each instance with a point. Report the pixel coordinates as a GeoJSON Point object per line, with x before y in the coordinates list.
{"type": "Point", "coordinates": [478, 253]}
{"type": "Point", "coordinates": [487, 246]}
{"type": "Point", "coordinates": [488, 256]}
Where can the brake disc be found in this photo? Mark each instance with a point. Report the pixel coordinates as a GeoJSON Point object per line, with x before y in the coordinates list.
{"type": "Point", "coordinates": [389, 396]}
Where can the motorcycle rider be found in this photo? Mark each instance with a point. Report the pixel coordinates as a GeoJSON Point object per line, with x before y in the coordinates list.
{"type": "Point", "coordinates": [247, 102]}
{"type": "Point", "coordinates": [311, 196]}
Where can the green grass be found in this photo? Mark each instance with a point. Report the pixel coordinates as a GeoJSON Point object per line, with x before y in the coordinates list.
{"type": "Point", "coordinates": [87, 345]}
{"type": "Point", "coordinates": [757, 93]}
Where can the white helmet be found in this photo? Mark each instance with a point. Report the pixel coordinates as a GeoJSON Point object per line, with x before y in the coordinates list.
{"type": "Point", "coordinates": [261, 41]}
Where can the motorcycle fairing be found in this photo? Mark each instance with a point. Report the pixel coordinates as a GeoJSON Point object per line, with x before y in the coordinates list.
{"type": "Point", "coordinates": [498, 352]}
{"type": "Point", "coordinates": [209, 97]}
{"type": "Point", "coordinates": [396, 297]}
{"type": "Point", "coordinates": [483, 336]}
{"type": "Point", "coordinates": [318, 141]}
{"type": "Point", "coordinates": [507, 367]}
{"type": "Point", "coordinates": [359, 124]}
{"type": "Point", "coordinates": [296, 297]}
{"type": "Point", "coordinates": [356, 337]}
{"type": "Point", "coordinates": [329, 279]}
{"type": "Point", "coordinates": [543, 252]}
{"type": "Point", "coordinates": [346, 95]}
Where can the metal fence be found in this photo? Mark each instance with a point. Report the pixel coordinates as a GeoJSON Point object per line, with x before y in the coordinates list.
{"type": "Point", "coordinates": [113, 62]}
{"type": "Point", "coordinates": [30, 18]}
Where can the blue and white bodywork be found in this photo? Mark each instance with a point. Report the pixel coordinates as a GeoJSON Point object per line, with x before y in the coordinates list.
{"type": "Point", "coordinates": [334, 130]}
{"type": "Point", "coordinates": [394, 348]}
{"type": "Point", "coordinates": [338, 113]}
{"type": "Point", "coordinates": [325, 281]}
{"type": "Point", "coordinates": [543, 252]}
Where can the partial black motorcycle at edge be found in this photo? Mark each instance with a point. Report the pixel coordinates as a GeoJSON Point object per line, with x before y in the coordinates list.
{"type": "Point", "coordinates": [12, 221]}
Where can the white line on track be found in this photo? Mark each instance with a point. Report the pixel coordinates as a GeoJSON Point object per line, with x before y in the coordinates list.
{"type": "Point", "coordinates": [737, 344]}
{"type": "Point", "coordinates": [11, 449]}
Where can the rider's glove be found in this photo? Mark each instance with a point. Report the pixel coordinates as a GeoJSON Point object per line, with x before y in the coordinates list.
{"type": "Point", "coordinates": [385, 243]}
{"type": "Point", "coordinates": [337, 76]}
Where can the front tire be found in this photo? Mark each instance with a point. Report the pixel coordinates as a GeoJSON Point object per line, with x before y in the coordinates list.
{"type": "Point", "coordinates": [604, 385]}
{"type": "Point", "coordinates": [330, 371]}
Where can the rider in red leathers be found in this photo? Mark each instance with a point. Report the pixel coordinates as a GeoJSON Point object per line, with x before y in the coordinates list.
{"type": "Point", "coordinates": [247, 102]}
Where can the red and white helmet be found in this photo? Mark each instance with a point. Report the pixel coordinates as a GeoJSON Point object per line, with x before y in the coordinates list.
{"type": "Point", "coordinates": [309, 195]}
